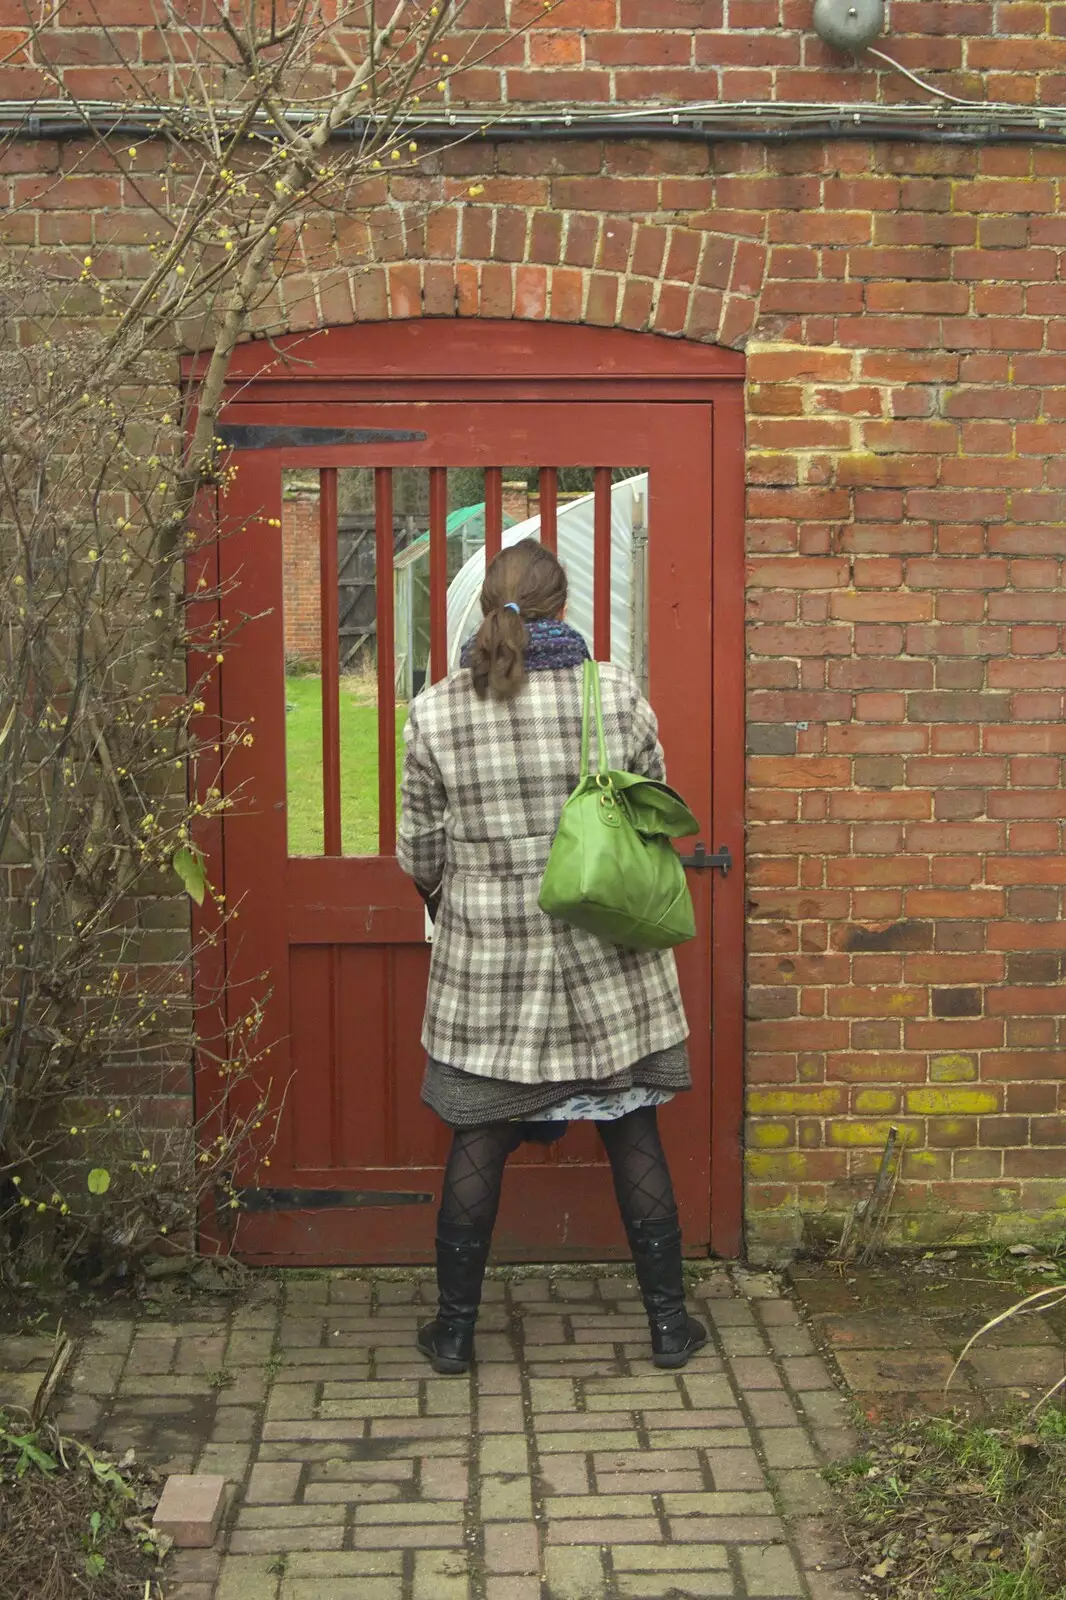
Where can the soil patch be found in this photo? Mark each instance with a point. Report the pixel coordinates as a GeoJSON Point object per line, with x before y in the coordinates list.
{"type": "Point", "coordinates": [73, 1522]}
{"type": "Point", "coordinates": [944, 1508]}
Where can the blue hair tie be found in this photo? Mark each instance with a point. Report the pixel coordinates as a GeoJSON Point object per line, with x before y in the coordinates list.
{"type": "Point", "coordinates": [510, 606]}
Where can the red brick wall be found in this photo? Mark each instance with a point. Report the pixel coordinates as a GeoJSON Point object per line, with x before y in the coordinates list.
{"type": "Point", "coordinates": [901, 308]}
{"type": "Point", "coordinates": [302, 578]}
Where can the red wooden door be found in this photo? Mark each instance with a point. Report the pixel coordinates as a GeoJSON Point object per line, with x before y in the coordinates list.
{"type": "Point", "coordinates": [325, 919]}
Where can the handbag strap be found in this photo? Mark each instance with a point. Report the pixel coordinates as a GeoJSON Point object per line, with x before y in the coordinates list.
{"type": "Point", "coordinates": [591, 694]}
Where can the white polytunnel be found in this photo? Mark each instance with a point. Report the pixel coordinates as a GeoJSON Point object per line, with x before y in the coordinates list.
{"type": "Point", "coordinates": [629, 522]}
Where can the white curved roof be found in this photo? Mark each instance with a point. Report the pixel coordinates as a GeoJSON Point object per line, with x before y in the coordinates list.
{"type": "Point", "coordinates": [575, 544]}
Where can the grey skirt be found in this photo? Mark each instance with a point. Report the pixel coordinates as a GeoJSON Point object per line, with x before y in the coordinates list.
{"type": "Point", "coordinates": [464, 1100]}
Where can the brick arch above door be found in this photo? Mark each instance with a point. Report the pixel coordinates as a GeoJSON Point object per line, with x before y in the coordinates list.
{"type": "Point", "coordinates": [600, 269]}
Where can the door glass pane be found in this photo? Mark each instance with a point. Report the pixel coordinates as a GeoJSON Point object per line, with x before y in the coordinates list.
{"type": "Point", "coordinates": [303, 660]}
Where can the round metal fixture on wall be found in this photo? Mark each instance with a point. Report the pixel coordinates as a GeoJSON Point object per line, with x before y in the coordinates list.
{"type": "Point", "coordinates": [849, 24]}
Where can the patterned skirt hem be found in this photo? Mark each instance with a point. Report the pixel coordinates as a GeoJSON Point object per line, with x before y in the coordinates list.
{"type": "Point", "coordinates": [464, 1100]}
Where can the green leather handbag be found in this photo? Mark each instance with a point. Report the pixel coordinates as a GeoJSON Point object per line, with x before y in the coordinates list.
{"type": "Point", "coordinates": [612, 868]}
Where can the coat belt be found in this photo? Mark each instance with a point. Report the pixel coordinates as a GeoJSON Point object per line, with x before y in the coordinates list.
{"type": "Point", "coordinates": [490, 858]}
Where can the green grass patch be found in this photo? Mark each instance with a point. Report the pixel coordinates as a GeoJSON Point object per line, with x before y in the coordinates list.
{"type": "Point", "coordinates": [359, 764]}
{"type": "Point", "coordinates": [948, 1509]}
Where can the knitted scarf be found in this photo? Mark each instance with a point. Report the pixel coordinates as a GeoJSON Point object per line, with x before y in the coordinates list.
{"type": "Point", "coordinates": [550, 645]}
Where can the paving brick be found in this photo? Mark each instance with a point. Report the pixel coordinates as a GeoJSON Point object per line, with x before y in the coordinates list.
{"type": "Point", "coordinates": [564, 1474]}
{"type": "Point", "coordinates": [599, 1505]}
{"type": "Point", "coordinates": [594, 1439]}
{"type": "Point", "coordinates": [506, 1499]}
{"type": "Point", "coordinates": [575, 1574]}
{"type": "Point", "coordinates": [247, 1578]}
{"type": "Point", "coordinates": [743, 1341]}
{"type": "Point", "coordinates": [674, 1586]}
{"type": "Point", "coordinates": [787, 1447]}
{"type": "Point", "coordinates": [445, 1478]}
{"type": "Point", "coordinates": [806, 1372]}
{"type": "Point", "coordinates": [715, 1426]}
{"type": "Point", "coordinates": [231, 1460]}
{"type": "Point", "coordinates": [709, 1393]}
{"type": "Point", "coordinates": [379, 1588]}
{"type": "Point", "coordinates": [281, 1539]}
{"type": "Point", "coordinates": [149, 1355]}
{"type": "Point", "coordinates": [440, 1575]}
{"type": "Point", "coordinates": [790, 1340]}
{"type": "Point", "coordinates": [802, 1493]}
{"type": "Point", "coordinates": [770, 1571]}
{"type": "Point", "coordinates": [343, 1563]}
{"type": "Point", "coordinates": [731, 1314]}
{"type": "Point", "coordinates": [367, 1406]}
{"type": "Point", "coordinates": [412, 1536]}
{"type": "Point", "coordinates": [338, 1469]}
{"type": "Point", "coordinates": [504, 1453]}
{"type": "Point", "coordinates": [273, 1483]}
{"type": "Point", "coordinates": [304, 1516]}
{"type": "Point", "coordinates": [738, 1468]}
{"type": "Point", "coordinates": [346, 1494]}
{"type": "Point", "coordinates": [729, 1503]}
{"type": "Point", "coordinates": [511, 1547]}
{"type": "Point", "coordinates": [605, 1530]}
{"type": "Point", "coordinates": [512, 1588]}
{"type": "Point", "coordinates": [195, 1566]}
{"type": "Point", "coordinates": [412, 1511]}
{"type": "Point", "coordinates": [669, 1558]}
{"type": "Point", "coordinates": [234, 1425]}
{"type": "Point", "coordinates": [727, 1530]}
{"type": "Point", "coordinates": [500, 1413]}
{"type": "Point", "coordinates": [836, 1444]}
{"type": "Point", "coordinates": [190, 1509]}
{"type": "Point", "coordinates": [771, 1408]}
{"type": "Point", "coordinates": [291, 1402]}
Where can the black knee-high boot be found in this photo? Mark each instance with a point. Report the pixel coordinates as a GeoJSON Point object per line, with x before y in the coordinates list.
{"type": "Point", "coordinates": [656, 1247]}
{"type": "Point", "coordinates": [448, 1341]}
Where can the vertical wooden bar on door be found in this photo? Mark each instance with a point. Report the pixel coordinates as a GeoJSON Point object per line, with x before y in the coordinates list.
{"type": "Point", "coordinates": [438, 573]}
{"type": "Point", "coordinates": [601, 566]}
{"type": "Point", "coordinates": [330, 657]}
{"type": "Point", "coordinates": [549, 503]}
{"type": "Point", "coordinates": [386, 666]}
{"type": "Point", "coordinates": [493, 512]}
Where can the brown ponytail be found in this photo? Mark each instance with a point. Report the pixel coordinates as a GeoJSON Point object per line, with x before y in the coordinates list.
{"type": "Point", "coordinates": [530, 577]}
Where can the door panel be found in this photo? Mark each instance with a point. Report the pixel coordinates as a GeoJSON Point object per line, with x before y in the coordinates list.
{"type": "Point", "coordinates": [340, 938]}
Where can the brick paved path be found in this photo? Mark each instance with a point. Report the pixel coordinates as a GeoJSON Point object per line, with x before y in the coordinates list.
{"type": "Point", "coordinates": [565, 1468]}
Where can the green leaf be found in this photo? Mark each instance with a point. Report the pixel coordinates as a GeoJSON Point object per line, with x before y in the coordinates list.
{"type": "Point", "coordinates": [189, 866]}
{"type": "Point", "coordinates": [99, 1180]}
{"type": "Point", "coordinates": [95, 1564]}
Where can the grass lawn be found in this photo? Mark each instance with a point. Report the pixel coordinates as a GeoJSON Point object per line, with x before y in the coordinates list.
{"type": "Point", "coordinates": [359, 764]}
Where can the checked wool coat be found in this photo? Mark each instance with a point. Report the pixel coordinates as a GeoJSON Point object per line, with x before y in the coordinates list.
{"type": "Point", "coordinates": [515, 994]}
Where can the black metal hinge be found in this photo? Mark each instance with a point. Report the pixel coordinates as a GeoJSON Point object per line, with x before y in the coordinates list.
{"type": "Point", "coordinates": [701, 861]}
{"type": "Point", "coordinates": [262, 436]}
{"type": "Point", "coordinates": [319, 1199]}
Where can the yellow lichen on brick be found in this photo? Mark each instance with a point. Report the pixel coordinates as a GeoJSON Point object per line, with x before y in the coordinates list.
{"type": "Point", "coordinates": [795, 1102]}
{"type": "Point", "coordinates": [934, 1160]}
{"type": "Point", "coordinates": [952, 1068]}
{"type": "Point", "coordinates": [770, 1135]}
{"type": "Point", "coordinates": [871, 1102]}
{"type": "Point", "coordinates": [853, 1132]}
{"type": "Point", "coordinates": [776, 1166]}
{"type": "Point", "coordinates": [951, 1102]}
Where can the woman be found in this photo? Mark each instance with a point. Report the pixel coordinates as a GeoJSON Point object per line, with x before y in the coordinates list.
{"type": "Point", "coordinates": [531, 1023]}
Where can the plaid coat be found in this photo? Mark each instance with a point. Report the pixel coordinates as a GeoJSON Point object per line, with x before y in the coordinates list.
{"type": "Point", "coordinates": [515, 994]}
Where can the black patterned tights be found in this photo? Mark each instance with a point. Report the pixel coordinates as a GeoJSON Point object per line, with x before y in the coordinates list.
{"type": "Point", "coordinates": [478, 1156]}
